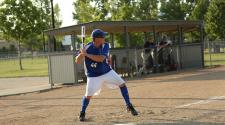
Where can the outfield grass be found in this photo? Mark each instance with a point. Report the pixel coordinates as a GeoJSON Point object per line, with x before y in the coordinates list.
{"type": "Point", "coordinates": [31, 67]}
{"type": "Point", "coordinates": [217, 59]}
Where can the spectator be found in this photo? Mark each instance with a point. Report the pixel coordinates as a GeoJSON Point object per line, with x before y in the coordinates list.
{"type": "Point", "coordinates": [147, 55]}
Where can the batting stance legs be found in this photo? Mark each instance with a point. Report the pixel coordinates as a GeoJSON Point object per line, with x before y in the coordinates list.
{"type": "Point", "coordinates": [98, 71]}
{"type": "Point", "coordinates": [112, 80]}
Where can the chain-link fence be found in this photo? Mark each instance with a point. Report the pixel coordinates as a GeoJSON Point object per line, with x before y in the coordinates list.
{"type": "Point", "coordinates": [214, 53]}
{"type": "Point", "coordinates": [33, 63]}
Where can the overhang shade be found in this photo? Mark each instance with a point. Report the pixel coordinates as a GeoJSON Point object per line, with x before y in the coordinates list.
{"type": "Point", "coordinates": [131, 26]}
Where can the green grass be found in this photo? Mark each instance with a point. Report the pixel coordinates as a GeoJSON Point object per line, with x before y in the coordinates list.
{"type": "Point", "coordinates": [31, 67]}
{"type": "Point", "coordinates": [217, 59]}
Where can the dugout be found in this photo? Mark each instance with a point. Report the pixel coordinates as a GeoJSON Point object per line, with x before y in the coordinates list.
{"type": "Point", "coordinates": [187, 54]}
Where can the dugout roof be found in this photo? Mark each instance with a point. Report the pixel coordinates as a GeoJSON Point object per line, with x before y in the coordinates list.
{"type": "Point", "coordinates": [130, 26]}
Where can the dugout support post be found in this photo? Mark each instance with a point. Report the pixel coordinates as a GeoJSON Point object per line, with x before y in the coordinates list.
{"type": "Point", "coordinates": [49, 60]}
{"type": "Point", "coordinates": [179, 60]}
{"type": "Point", "coordinates": [126, 37]}
{"type": "Point", "coordinates": [202, 43]}
{"type": "Point", "coordinates": [73, 40]}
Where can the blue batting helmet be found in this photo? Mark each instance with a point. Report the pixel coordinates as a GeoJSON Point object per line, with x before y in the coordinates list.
{"type": "Point", "coordinates": [97, 33]}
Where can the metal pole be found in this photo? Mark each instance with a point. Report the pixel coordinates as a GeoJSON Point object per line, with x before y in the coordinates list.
{"type": "Point", "coordinates": [49, 63]}
{"type": "Point", "coordinates": [53, 24]}
{"type": "Point", "coordinates": [43, 38]}
{"type": "Point", "coordinates": [50, 71]}
{"type": "Point", "coordinates": [49, 43]}
{"type": "Point", "coordinates": [136, 62]}
{"type": "Point", "coordinates": [181, 43]}
{"type": "Point", "coordinates": [127, 48]}
{"type": "Point", "coordinates": [73, 37]}
{"type": "Point", "coordinates": [155, 67]}
{"type": "Point", "coordinates": [210, 56]}
{"type": "Point", "coordinates": [202, 44]}
{"type": "Point", "coordinates": [73, 42]}
{"type": "Point", "coordinates": [52, 9]}
{"type": "Point", "coordinates": [178, 48]}
{"type": "Point", "coordinates": [43, 34]}
{"type": "Point", "coordinates": [112, 40]}
{"type": "Point", "coordinates": [154, 34]}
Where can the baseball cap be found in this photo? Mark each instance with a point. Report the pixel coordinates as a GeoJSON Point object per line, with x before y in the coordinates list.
{"type": "Point", "coordinates": [98, 33]}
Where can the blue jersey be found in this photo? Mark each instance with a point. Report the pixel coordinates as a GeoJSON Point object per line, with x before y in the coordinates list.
{"type": "Point", "coordinates": [93, 68]}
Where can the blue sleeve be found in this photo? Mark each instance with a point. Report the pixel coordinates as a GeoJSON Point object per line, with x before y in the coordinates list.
{"type": "Point", "coordinates": [105, 50]}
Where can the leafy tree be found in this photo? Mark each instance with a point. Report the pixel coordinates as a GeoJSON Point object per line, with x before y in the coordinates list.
{"type": "Point", "coordinates": [175, 9]}
{"type": "Point", "coordinates": [200, 10]}
{"type": "Point", "coordinates": [215, 16]}
{"type": "Point", "coordinates": [198, 13]}
{"type": "Point", "coordinates": [58, 20]}
{"type": "Point", "coordinates": [101, 10]}
{"type": "Point", "coordinates": [147, 10]}
{"type": "Point", "coordinates": [91, 10]}
{"type": "Point", "coordinates": [97, 10]}
{"type": "Point", "coordinates": [122, 9]}
{"type": "Point", "coordinates": [20, 19]}
{"type": "Point", "coordinates": [44, 6]}
{"type": "Point", "coordinates": [133, 10]}
{"type": "Point", "coordinates": [83, 11]}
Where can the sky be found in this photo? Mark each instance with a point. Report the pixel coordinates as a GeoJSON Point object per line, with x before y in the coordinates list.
{"type": "Point", "coordinates": [66, 9]}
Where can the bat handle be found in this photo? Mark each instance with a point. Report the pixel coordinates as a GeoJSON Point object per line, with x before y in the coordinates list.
{"type": "Point", "coordinates": [83, 38]}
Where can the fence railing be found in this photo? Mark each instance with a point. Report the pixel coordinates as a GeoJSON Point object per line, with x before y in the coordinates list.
{"type": "Point", "coordinates": [214, 53]}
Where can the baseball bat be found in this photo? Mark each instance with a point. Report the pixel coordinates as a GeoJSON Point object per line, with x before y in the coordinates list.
{"type": "Point", "coordinates": [83, 35]}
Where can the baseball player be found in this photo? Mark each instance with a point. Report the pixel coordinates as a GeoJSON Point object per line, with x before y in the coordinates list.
{"type": "Point", "coordinates": [95, 55]}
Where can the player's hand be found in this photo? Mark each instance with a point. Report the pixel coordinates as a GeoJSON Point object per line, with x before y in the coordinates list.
{"type": "Point", "coordinates": [82, 52]}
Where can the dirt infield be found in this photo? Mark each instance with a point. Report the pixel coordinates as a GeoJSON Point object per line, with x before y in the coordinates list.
{"type": "Point", "coordinates": [190, 97]}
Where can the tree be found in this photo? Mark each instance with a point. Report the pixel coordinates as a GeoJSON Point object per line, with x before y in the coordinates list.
{"type": "Point", "coordinates": [147, 10]}
{"type": "Point", "coordinates": [99, 10]}
{"type": "Point", "coordinates": [58, 20]}
{"type": "Point", "coordinates": [215, 16]}
{"type": "Point", "coordinates": [199, 10]}
{"type": "Point", "coordinates": [83, 11]}
{"type": "Point", "coordinates": [134, 10]}
{"type": "Point", "coordinates": [122, 9]}
{"type": "Point", "coordinates": [175, 9]}
{"type": "Point", "coordinates": [44, 6]}
{"type": "Point", "coordinates": [20, 19]}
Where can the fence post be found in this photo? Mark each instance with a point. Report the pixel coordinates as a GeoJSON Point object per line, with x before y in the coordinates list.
{"type": "Point", "coordinates": [135, 61]}
{"type": "Point", "coordinates": [73, 39]}
{"type": "Point", "coordinates": [202, 43]}
{"type": "Point", "coordinates": [50, 71]}
{"type": "Point", "coordinates": [210, 49]}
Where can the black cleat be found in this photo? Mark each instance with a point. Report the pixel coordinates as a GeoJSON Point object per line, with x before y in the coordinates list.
{"type": "Point", "coordinates": [131, 109]}
{"type": "Point", "coordinates": [82, 116]}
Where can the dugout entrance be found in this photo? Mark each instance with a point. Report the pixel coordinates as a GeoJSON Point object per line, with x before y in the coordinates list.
{"type": "Point", "coordinates": [186, 53]}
